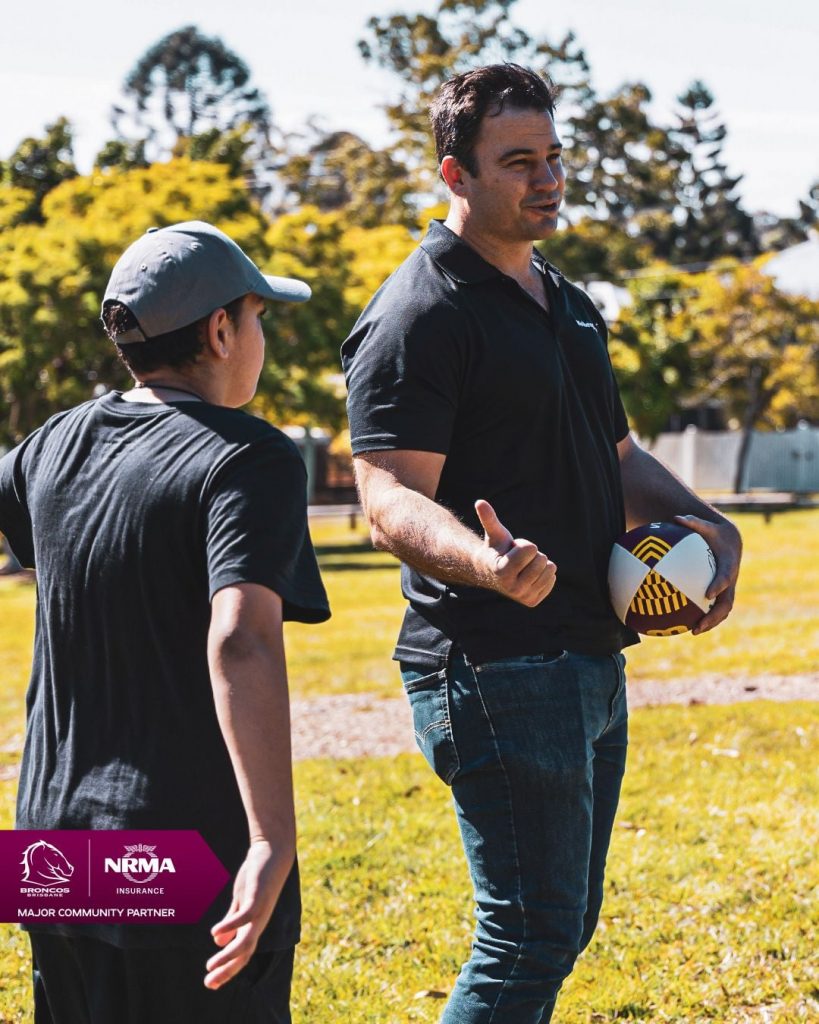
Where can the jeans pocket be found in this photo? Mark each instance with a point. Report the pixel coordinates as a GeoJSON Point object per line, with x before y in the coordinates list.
{"type": "Point", "coordinates": [428, 694]}
{"type": "Point", "coordinates": [522, 661]}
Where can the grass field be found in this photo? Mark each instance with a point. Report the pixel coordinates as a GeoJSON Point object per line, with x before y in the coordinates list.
{"type": "Point", "coordinates": [710, 912]}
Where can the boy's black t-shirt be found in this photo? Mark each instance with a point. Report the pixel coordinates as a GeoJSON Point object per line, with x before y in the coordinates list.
{"type": "Point", "coordinates": [453, 356]}
{"type": "Point", "coordinates": [134, 516]}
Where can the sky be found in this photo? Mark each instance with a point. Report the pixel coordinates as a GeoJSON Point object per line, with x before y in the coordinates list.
{"type": "Point", "coordinates": [758, 57]}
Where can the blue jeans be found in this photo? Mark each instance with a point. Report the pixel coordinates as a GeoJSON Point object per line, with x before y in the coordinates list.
{"type": "Point", "coordinates": [534, 749]}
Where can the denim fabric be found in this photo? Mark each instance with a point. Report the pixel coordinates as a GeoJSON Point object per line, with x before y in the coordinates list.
{"type": "Point", "coordinates": [534, 749]}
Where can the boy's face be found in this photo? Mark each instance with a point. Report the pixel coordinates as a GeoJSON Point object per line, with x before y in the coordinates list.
{"type": "Point", "coordinates": [247, 357]}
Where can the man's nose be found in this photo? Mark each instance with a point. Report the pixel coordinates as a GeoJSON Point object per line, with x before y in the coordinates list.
{"type": "Point", "coordinates": [545, 176]}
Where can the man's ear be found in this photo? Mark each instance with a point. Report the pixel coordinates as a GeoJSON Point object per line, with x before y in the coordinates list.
{"type": "Point", "coordinates": [453, 174]}
{"type": "Point", "coordinates": [219, 333]}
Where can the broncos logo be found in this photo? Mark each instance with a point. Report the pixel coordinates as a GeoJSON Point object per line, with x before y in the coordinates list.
{"type": "Point", "coordinates": [44, 865]}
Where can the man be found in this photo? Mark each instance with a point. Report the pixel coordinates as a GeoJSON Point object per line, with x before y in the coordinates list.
{"type": "Point", "coordinates": [169, 534]}
{"type": "Point", "coordinates": [493, 458]}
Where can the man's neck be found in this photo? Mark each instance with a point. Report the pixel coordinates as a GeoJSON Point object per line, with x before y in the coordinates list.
{"type": "Point", "coordinates": [512, 258]}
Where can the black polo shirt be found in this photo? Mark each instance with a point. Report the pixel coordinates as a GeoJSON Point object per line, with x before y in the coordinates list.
{"type": "Point", "coordinates": [452, 356]}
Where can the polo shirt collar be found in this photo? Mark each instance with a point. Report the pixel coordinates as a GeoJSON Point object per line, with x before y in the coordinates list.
{"type": "Point", "coordinates": [457, 259]}
{"type": "Point", "coordinates": [460, 261]}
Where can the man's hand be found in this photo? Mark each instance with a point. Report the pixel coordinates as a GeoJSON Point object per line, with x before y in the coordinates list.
{"type": "Point", "coordinates": [518, 570]}
{"type": "Point", "coordinates": [257, 887]}
{"type": "Point", "coordinates": [725, 541]}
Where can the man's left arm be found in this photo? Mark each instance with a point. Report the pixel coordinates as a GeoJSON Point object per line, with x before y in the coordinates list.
{"type": "Point", "coordinates": [653, 493]}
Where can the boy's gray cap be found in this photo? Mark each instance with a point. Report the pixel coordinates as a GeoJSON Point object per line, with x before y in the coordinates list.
{"type": "Point", "coordinates": [176, 275]}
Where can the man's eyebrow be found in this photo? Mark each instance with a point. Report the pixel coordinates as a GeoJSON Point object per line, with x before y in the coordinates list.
{"type": "Point", "coordinates": [522, 151]}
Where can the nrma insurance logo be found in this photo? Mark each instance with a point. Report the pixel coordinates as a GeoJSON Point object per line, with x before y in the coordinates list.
{"type": "Point", "coordinates": [46, 870]}
{"type": "Point", "coordinates": [140, 864]}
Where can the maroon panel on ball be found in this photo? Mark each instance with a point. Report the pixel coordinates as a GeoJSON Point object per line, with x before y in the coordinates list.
{"type": "Point", "coordinates": [638, 542]}
{"type": "Point", "coordinates": [679, 621]}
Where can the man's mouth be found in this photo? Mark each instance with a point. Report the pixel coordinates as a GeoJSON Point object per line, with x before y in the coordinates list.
{"type": "Point", "coordinates": [545, 205]}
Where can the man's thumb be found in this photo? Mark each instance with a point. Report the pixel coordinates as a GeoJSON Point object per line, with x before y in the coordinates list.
{"type": "Point", "coordinates": [497, 536]}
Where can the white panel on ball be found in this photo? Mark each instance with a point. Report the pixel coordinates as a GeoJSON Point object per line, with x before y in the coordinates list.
{"type": "Point", "coordinates": [690, 566]}
{"type": "Point", "coordinates": [626, 573]}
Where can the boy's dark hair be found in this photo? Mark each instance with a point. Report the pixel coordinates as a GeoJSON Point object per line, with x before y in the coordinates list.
{"type": "Point", "coordinates": [463, 102]}
{"type": "Point", "coordinates": [175, 350]}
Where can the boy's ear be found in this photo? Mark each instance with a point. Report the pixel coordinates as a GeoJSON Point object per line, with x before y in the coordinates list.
{"type": "Point", "coordinates": [218, 333]}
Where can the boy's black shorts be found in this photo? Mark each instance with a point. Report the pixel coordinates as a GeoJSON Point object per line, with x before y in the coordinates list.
{"type": "Point", "coordinates": [86, 981]}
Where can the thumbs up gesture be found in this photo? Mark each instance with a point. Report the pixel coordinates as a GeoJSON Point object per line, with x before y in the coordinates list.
{"type": "Point", "coordinates": [516, 568]}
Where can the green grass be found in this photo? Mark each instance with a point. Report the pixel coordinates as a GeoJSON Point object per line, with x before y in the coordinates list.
{"type": "Point", "coordinates": [707, 914]}
{"type": "Point", "coordinates": [773, 628]}
{"type": "Point", "coordinates": [710, 911]}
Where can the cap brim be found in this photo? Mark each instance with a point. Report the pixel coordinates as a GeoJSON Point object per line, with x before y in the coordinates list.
{"type": "Point", "coordinates": [286, 289]}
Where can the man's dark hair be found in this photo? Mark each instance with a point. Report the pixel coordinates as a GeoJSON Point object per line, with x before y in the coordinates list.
{"type": "Point", "coordinates": [463, 102]}
{"type": "Point", "coordinates": [176, 349]}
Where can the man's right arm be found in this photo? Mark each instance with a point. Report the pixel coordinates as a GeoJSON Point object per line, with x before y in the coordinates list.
{"type": "Point", "coordinates": [397, 491]}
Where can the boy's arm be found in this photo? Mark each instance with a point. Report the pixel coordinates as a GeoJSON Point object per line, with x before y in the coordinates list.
{"type": "Point", "coordinates": [249, 679]}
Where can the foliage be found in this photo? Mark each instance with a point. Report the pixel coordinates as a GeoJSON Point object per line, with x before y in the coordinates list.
{"type": "Point", "coordinates": [191, 95]}
{"type": "Point", "coordinates": [709, 221]}
{"type": "Point", "coordinates": [619, 167]}
{"type": "Point", "coordinates": [653, 364]}
{"type": "Point", "coordinates": [422, 51]}
{"type": "Point", "coordinates": [729, 335]}
{"type": "Point", "coordinates": [340, 171]}
{"type": "Point", "coordinates": [39, 165]}
{"type": "Point", "coordinates": [595, 250]}
{"type": "Point", "coordinates": [754, 346]}
{"type": "Point", "coordinates": [53, 353]}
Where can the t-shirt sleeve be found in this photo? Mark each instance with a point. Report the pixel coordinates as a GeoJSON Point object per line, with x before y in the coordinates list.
{"type": "Point", "coordinates": [15, 518]}
{"type": "Point", "coordinates": [621, 427]}
{"type": "Point", "coordinates": [403, 370]}
{"type": "Point", "coordinates": [256, 528]}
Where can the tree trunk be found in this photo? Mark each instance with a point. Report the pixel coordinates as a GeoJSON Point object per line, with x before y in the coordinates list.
{"type": "Point", "coordinates": [757, 400]}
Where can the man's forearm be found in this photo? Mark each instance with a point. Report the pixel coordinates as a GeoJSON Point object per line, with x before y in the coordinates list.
{"type": "Point", "coordinates": [652, 493]}
{"type": "Point", "coordinates": [427, 536]}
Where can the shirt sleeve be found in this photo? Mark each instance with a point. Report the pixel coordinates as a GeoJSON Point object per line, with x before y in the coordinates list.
{"type": "Point", "coordinates": [404, 371]}
{"type": "Point", "coordinates": [256, 528]}
{"type": "Point", "coordinates": [15, 518]}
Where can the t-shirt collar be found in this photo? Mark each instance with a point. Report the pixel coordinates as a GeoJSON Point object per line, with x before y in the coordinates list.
{"type": "Point", "coordinates": [460, 261]}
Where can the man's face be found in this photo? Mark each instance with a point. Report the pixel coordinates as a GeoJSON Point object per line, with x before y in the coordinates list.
{"type": "Point", "coordinates": [516, 194]}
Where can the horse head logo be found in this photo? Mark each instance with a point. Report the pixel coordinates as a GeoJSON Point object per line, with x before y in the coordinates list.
{"type": "Point", "coordinates": [45, 865]}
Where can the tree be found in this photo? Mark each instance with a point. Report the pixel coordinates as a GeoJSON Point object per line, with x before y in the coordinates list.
{"type": "Point", "coordinates": [53, 353]}
{"type": "Point", "coordinates": [422, 51]}
{"type": "Point", "coordinates": [186, 92]}
{"type": "Point", "coordinates": [595, 250]}
{"type": "Point", "coordinates": [728, 335]}
{"type": "Point", "coordinates": [709, 221]}
{"type": "Point", "coordinates": [652, 362]}
{"type": "Point", "coordinates": [39, 165]}
{"type": "Point", "coordinates": [755, 348]}
{"type": "Point", "coordinates": [620, 167]}
{"type": "Point", "coordinates": [340, 171]}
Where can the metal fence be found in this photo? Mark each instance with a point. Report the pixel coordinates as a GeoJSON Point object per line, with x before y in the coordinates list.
{"type": "Point", "coordinates": [786, 461]}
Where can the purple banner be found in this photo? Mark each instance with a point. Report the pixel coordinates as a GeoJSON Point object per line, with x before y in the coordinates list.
{"type": "Point", "coordinates": [123, 877]}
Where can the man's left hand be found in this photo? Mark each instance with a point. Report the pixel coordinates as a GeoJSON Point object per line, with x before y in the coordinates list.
{"type": "Point", "coordinates": [725, 541]}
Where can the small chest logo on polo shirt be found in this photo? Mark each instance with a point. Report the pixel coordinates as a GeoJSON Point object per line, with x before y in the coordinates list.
{"type": "Point", "coordinates": [586, 323]}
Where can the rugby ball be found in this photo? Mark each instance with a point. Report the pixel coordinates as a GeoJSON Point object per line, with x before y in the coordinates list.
{"type": "Point", "coordinates": [658, 575]}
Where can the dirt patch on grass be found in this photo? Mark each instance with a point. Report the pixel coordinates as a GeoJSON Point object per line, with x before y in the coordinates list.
{"type": "Point", "coordinates": [361, 725]}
